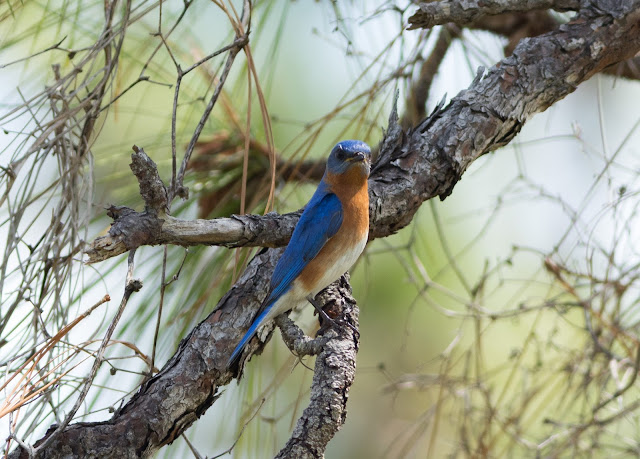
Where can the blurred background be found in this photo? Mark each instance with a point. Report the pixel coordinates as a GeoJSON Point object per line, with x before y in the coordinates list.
{"type": "Point", "coordinates": [498, 323]}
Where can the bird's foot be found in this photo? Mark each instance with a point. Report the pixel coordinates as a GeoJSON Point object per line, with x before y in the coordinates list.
{"type": "Point", "coordinates": [325, 317]}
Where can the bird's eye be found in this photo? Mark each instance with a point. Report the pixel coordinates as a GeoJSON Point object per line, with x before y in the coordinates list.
{"type": "Point", "coordinates": [341, 155]}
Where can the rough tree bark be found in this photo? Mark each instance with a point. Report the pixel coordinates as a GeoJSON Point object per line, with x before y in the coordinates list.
{"type": "Point", "coordinates": [412, 166]}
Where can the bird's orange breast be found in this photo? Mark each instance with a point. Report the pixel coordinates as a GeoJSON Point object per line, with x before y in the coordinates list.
{"type": "Point", "coordinates": [341, 251]}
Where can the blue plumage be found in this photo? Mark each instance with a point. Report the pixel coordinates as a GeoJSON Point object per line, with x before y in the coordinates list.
{"type": "Point", "coordinates": [320, 221]}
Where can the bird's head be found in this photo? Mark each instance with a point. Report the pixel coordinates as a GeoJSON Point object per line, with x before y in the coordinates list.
{"type": "Point", "coordinates": [350, 155]}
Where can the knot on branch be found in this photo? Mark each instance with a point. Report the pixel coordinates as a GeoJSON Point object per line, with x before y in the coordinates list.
{"type": "Point", "coordinates": [133, 228]}
{"type": "Point", "coordinates": [272, 229]}
{"type": "Point", "coordinates": [153, 191]}
{"type": "Point", "coordinates": [299, 343]}
{"type": "Point", "coordinates": [129, 230]}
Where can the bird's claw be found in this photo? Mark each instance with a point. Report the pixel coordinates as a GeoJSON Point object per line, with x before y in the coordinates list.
{"type": "Point", "coordinates": [325, 317]}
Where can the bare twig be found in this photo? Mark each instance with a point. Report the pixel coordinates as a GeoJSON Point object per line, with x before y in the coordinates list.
{"type": "Point", "coordinates": [132, 285]}
{"type": "Point", "coordinates": [626, 387]}
{"type": "Point", "coordinates": [177, 188]}
{"type": "Point", "coordinates": [55, 46]}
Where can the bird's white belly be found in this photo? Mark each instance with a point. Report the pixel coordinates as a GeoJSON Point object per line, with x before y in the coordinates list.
{"type": "Point", "coordinates": [343, 263]}
{"type": "Point", "coordinates": [297, 294]}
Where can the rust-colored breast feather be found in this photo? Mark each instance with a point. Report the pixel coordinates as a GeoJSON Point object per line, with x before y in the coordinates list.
{"type": "Point", "coordinates": [344, 248]}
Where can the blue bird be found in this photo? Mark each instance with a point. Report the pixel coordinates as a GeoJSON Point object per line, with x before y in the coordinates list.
{"type": "Point", "coordinates": [328, 239]}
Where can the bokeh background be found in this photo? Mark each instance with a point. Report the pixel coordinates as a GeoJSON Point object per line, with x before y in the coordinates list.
{"type": "Point", "coordinates": [478, 320]}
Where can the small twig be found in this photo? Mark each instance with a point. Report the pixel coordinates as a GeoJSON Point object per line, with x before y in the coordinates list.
{"type": "Point", "coordinates": [195, 452]}
{"type": "Point", "coordinates": [622, 390]}
{"type": "Point", "coordinates": [236, 44]}
{"type": "Point", "coordinates": [177, 188]}
{"type": "Point", "coordinates": [127, 89]}
{"type": "Point", "coordinates": [177, 274]}
{"type": "Point", "coordinates": [228, 450]}
{"type": "Point", "coordinates": [163, 287]}
{"type": "Point", "coordinates": [131, 286]}
{"type": "Point", "coordinates": [28, 448]}
{"type": "Point", "coordinates": [50, 48]}
{"type": "Point", "coordinates": [163, 37]}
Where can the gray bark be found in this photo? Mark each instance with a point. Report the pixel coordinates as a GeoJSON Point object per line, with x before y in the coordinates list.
{"type": "Point", "coordinates": [463, 12]}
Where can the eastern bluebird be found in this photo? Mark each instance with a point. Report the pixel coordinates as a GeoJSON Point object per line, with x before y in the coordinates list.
{"type": "Point", "coordinates": [328, 239]}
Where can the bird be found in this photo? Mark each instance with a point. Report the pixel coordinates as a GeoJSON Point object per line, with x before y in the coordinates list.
{"type": "Point", "coordinates": [330, 236]}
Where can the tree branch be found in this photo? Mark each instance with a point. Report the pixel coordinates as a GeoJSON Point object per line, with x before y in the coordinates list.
{"type": "Point", "coordinates": [417, 99]}
{"type": "Point", "coordinates": [270, 230]}
{"type": "Point", "coordinates": [464, 12]}
{"type": "Point", "coordinates": [172, 400]}
{"type": "Point", "coordinates": [168, 403]}
{"type": "Point", "coordinates": [429, 160]}
{"type": "Point", "coordinates": [333, 376]}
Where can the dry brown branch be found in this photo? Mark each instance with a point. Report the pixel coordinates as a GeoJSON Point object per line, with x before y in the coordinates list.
{"type": "Point", "coordinates": [416, 102]}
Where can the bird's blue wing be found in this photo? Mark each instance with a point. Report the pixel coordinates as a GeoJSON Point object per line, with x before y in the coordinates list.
{"type": "Point", "coordinates": [320, 221]}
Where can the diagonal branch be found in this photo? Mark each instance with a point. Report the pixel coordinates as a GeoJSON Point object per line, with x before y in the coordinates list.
{"type": "Point", "coordinates": [415, 110]}
{"type": "Point", "coordinates": [168, 403]}
{"type": "Point", "coordinates": [464, 12]}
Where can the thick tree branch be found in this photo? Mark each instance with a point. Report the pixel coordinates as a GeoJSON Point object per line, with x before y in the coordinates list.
{"type": "Point", "coordinates": [516, 26]}
{"type": "Point", "coordinates": [333, 376]}
{"type": "Point", "coordinates": [430, 159]}
{"type": "Point", "coordinates": [412, 167]}
{"type": "Point", "coordinates": [464, 12]}
{"type": "Point", "coordinates": [187, 385]}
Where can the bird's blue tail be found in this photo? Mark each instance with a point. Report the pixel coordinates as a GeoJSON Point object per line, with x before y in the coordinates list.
{"type": "Point", "coordinates": [237, 352]}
